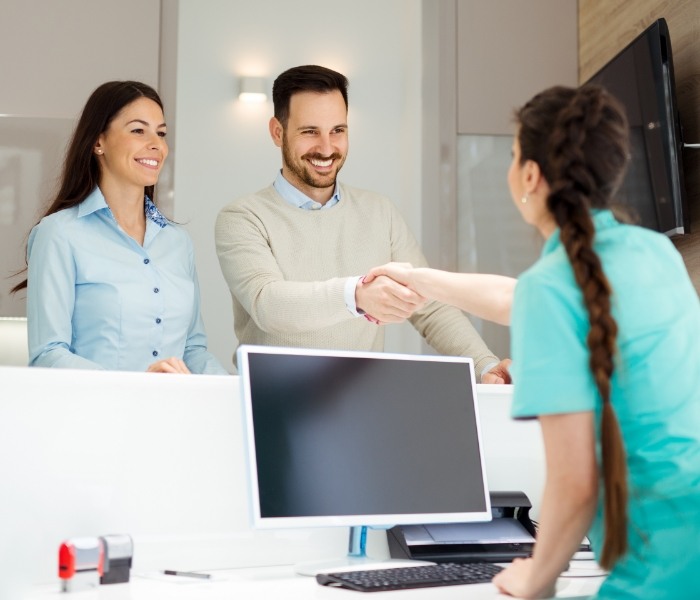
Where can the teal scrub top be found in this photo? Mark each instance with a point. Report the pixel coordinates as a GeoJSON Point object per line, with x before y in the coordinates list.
{"type": "Point", "coordinates": [655, 391]}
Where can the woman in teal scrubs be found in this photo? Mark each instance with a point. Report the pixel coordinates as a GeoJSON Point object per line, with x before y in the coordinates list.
{"type": "Point", "coordinates": [605, 331]}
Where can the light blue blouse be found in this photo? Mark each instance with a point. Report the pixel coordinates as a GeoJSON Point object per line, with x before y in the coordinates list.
{"type": "Point", "coordinates": [96, 299]}
{"type": "Point", "coordinates": [655, 391]}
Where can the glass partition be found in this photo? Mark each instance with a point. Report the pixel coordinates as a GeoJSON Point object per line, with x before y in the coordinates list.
{"type": "Point", "coordinates": [31, 151]}
{"type": "Point", "coordinates": [492, 237]}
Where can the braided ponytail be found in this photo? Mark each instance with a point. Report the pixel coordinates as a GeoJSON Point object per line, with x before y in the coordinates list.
{"type": "Point", "coordinates": [582, 152]}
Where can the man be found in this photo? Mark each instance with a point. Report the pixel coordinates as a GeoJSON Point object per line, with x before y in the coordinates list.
{"type": "Point", "coordinates": [293, 254]}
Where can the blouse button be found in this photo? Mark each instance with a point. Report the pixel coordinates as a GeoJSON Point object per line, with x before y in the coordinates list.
{"type": "Point", "coordinates": [146, 261]}
{"type": "Point", "coordinates": [158, 320]}
{"type": "Point", "coordinates": [156, 290]}
{"type": "Point", "coordinates": [155, 353]}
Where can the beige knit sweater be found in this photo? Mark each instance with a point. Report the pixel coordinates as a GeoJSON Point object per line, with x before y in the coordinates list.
{"type": "Point", "coordinates": [286, 269]}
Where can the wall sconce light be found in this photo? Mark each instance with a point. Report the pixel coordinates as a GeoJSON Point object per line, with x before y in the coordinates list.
{"type": "Point", "coordinates": [252, 90]}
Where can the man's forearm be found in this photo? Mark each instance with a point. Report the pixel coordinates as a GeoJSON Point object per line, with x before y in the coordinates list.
{"type": "Point", "coordinates": [450, 332]}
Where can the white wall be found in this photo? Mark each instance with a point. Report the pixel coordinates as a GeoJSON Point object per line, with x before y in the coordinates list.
{"type": "Point", "coordinates": [223, 148]}
{"type": "Point", "coordinates": [55, 53]}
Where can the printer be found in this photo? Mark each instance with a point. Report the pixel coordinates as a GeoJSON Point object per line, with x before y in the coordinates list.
{"type": "Point", "coordinates": [510, 534]}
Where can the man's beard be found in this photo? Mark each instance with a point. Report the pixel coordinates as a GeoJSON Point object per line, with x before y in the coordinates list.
{"type": "Point", "coordinates": [303, 172]}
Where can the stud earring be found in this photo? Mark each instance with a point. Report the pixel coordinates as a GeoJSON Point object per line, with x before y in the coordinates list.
{"type": "Point", "coordinates": [524, 199]}
{"type": "Point", "coordinates": [98, 151]}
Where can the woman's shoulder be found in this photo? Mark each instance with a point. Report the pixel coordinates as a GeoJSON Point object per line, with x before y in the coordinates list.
{"type": "Point", "coordinates": [633, 233]}
{"type": "Point", "coordinates": [61, 217]}
{"type": "Point", "coordinates": [627, 246]}
{"type": "Point", "coordinates": [550, 269]}
{"type": "Point", "coordinates": [56, 223]}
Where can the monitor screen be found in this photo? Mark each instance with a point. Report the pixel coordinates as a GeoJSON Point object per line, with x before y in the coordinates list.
{"type": "Point", "coordinates": [355, 439]}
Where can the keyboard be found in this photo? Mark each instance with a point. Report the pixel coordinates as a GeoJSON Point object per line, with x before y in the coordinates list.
{"type": "Point", "coordinates": [403, 578]}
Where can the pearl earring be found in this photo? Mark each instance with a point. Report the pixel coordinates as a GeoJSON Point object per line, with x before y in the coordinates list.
{"type": "Point", "coordinates": [98, 151]}
{"type": "Point", "coordinates": [524, 199]}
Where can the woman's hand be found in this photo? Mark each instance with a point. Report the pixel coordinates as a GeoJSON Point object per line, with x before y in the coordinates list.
{"type": "Point", "coordinates": [517, 580]}
{"type": "Point", "coordinates": [169, 365]}
{"type": "Point", "coordinates": [399, 272]}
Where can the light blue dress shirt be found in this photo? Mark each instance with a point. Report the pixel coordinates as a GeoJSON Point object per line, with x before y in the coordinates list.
{"type": "Point", "coordinates": [655, 391]}
{"type": "Point", "coordinates": [293, 196]}
{"type": "Point", "coordinates": [96, 299]}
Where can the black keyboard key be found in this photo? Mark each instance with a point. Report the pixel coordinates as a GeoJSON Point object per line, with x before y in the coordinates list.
{"type": "Point", "coordinates": [402, 578]}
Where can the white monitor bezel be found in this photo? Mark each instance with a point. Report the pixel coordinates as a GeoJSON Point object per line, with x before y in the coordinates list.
{"type": "Point", "coordinates": [388, 520]}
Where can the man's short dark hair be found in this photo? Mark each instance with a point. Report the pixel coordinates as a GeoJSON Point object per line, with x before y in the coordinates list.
{"type": "Point", "coordinates": [308, 78]}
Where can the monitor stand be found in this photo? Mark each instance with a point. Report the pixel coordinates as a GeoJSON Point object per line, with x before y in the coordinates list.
{"type": "Point", "coordinates": [356, 558]}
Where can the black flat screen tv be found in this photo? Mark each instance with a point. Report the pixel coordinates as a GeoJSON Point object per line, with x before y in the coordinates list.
{"type": "Point", "coordinates": [641, 77]}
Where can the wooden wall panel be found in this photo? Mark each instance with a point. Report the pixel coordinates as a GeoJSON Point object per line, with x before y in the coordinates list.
{"type": "Point", "coordinates": [605, 28]}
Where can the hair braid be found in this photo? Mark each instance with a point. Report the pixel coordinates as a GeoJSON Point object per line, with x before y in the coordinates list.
{"type": "Point", "coordinates": [574, 189]}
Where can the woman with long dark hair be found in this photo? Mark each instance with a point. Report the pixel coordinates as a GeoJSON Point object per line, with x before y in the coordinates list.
{"type": "Point", "coordinates": [111, 283]}
{"type": "Point", "coordinates": [605, 333]}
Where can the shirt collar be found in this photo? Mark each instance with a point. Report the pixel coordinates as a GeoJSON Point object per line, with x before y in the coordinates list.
{"type": "Point", "coordinates": [96, 201]}
{"type": "Point", "coordinates": [602, 219]}
{"type": "Point", "coordinates": [153, 213]}
{"type": "Point", "coordinates": [293, 196]}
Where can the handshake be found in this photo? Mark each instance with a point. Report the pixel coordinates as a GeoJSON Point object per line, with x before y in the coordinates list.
{"type": "Point", "coordinates": [385, 294]}
{"type": "Point", "coordinates": [391, 293]}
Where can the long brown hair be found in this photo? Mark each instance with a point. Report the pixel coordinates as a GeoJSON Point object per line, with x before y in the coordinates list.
{"type": "Point", "coordinates": [81, 171]}
{"type": "Point", "coordinates": [580, 140]}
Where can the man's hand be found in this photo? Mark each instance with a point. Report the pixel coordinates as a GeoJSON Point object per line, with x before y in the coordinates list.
{"type": "Point", "coordinates": [499, 373]}
{"type": "Point", "coordinates": [169, 365]}
{"type": "Point", "coordinates": [386, 301]}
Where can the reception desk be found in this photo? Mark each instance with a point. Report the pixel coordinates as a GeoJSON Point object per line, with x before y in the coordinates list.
{"type": "Point", "coordinates": [161, 457]}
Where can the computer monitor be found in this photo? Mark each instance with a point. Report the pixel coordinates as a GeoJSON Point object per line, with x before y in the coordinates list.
{"type": "Point", "coordinates": [338, 438]}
